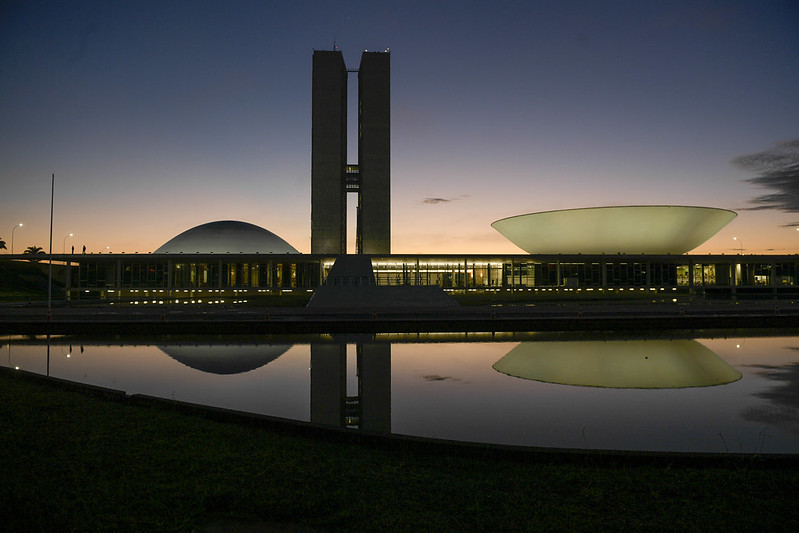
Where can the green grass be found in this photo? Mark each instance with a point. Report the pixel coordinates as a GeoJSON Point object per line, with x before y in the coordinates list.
{"type": "Point", "coordinates": [76, 461]}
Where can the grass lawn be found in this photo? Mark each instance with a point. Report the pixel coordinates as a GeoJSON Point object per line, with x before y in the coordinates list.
{"type": "Point", "coordinates": [73, 460]}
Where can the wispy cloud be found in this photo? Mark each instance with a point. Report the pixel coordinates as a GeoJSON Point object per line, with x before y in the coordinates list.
{"type": "Point", "coordinates": [436, 377]}
{"type": "Point", "coordinates": [435, 200]}
{"type": "Point", "coordinates": [778, 170]}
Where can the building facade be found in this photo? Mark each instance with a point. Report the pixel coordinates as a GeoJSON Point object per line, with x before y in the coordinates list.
{"type": "Point", "coordinates": [181, 278]}
{"type": "Point", "coordinates": [332, 177]}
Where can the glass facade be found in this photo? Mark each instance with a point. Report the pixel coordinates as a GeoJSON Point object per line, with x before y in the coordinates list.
{"type": "Point", "coordinates": [694, 274]}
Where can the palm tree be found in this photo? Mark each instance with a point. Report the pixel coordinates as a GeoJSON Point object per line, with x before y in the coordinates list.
{"type": "Point", "coordinates": [2, 244]}
{"type": "Point", "coordinates": [34, 250]}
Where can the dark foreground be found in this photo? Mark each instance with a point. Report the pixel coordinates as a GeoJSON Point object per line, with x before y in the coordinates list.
{"type": "Point", "coordinates": [83, 459]}
{"type": "Point", "coordinates": [572, 316]}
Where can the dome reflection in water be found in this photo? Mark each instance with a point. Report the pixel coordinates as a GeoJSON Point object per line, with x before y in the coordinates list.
{"type": "Point", "coordinates": [225, 359]}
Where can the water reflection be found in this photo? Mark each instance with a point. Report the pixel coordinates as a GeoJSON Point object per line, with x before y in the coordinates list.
{"type": "Point", "coordinates": [370, 408]}
{"type": "Point", "coordinates": [637, 395]}
{"type": "Point", "coordinates": [783, 406]}
{"type": "Point", "coordinates": [225, 359]}
{"type": "Point", "coordinates": [618, 364]}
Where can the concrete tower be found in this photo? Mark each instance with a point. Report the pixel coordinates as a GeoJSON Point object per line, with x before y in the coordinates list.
{"type": "Point", "coordinates": [331, 177]}
{"type": "Point", "coordinates": [328, 154]}
{"type": "Point", "coordinates": [374, 153]}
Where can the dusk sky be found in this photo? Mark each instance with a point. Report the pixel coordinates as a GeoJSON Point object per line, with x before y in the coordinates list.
{"type": "Point", "coordinates": [159, 116]}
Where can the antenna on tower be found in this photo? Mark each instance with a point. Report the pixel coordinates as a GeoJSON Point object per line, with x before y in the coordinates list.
{"type": "Point", "coordinates": [334, 42]}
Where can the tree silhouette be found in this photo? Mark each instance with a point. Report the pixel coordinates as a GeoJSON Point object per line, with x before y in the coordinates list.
{"type": "Point", "coordinates": [2, 244]}
{"type": "Point", "coordinates": [34, 250]}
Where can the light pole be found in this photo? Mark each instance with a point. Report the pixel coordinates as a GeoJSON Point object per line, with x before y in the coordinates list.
{"type": "Point", "coordinates": [740, 244]}
{"type": "Point", "coordinates": [12, 236]}
{"type": "Point", "coordinates": [64, 250]}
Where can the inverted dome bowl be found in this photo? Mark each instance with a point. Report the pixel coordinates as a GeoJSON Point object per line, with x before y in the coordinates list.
{"type": "Point", "coordinates": [648, 229]}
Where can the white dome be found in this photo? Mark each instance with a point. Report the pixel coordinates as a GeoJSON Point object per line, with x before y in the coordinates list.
{"type": "Point", "coordinates": [226, 236]}
{"type": "Point", "coordinates": [647, 229]}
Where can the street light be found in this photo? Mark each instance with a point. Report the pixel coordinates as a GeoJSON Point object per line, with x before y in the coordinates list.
{"type": "Point", "coordinates": [64, 250]}
{"type": "Point", "coordinates": [12, 236]}
{"type": "Point", "coordinates": [740, 244]}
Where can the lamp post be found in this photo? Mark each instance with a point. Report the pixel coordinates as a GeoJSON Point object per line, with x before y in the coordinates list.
{"type": "Point", "coordinates": [64, 249]}
{"type": "Point", "coordinates": [740, 245]}
{"type": "Point", "coordinates": [12, 236]}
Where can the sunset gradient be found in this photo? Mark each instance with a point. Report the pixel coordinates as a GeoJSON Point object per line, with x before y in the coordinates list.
{"type": "Point", "coordinates": [156, 117]}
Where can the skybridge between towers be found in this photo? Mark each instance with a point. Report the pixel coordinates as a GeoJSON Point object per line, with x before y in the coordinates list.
{"type": "Point", "coordinates": [352, 178]}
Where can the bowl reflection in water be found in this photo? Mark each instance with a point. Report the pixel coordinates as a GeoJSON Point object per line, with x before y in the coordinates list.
{"type": "Point", "coordinates": [634, 364]}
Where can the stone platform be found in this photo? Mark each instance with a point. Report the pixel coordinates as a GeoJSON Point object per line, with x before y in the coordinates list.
{"type": "Point", "coordinates": [351, 285]}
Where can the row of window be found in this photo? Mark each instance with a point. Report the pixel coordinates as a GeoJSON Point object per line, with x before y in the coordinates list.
{"type": "Point", "coordinates": [448, 275]}
{"type": "Point", "coordinates": [195, 275]}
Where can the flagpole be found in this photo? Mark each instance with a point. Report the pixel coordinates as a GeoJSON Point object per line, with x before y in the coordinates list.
{"type": "Point", "coordinates": [50, 273]}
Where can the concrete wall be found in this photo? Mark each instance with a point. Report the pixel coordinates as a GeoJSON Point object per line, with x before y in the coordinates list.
{"type": "Point", "coordinates": [328, 153]}
{"type": "Point", "coordinates": [374, 152]}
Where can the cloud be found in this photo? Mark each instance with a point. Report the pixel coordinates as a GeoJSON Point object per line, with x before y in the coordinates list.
{"type": "Point", "coordinates": [778, 171]}
{"type": "Point", "coordinates": [434, 201]}
{"type": "Point", "coordinates": [436, 377]}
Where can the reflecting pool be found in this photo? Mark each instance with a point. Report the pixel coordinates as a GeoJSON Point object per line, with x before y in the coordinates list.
{"type": "Point", "coordinates": [719, 392]}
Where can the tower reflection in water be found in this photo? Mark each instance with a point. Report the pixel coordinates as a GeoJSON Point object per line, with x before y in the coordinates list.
{"type": "Point", "coordinates": [621, 364]}
{"type": "Point", "coordinates": [369, 409]}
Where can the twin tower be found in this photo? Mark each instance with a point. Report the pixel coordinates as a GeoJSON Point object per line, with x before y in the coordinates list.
{"type": "Point", "coordinates": [332, 177]}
